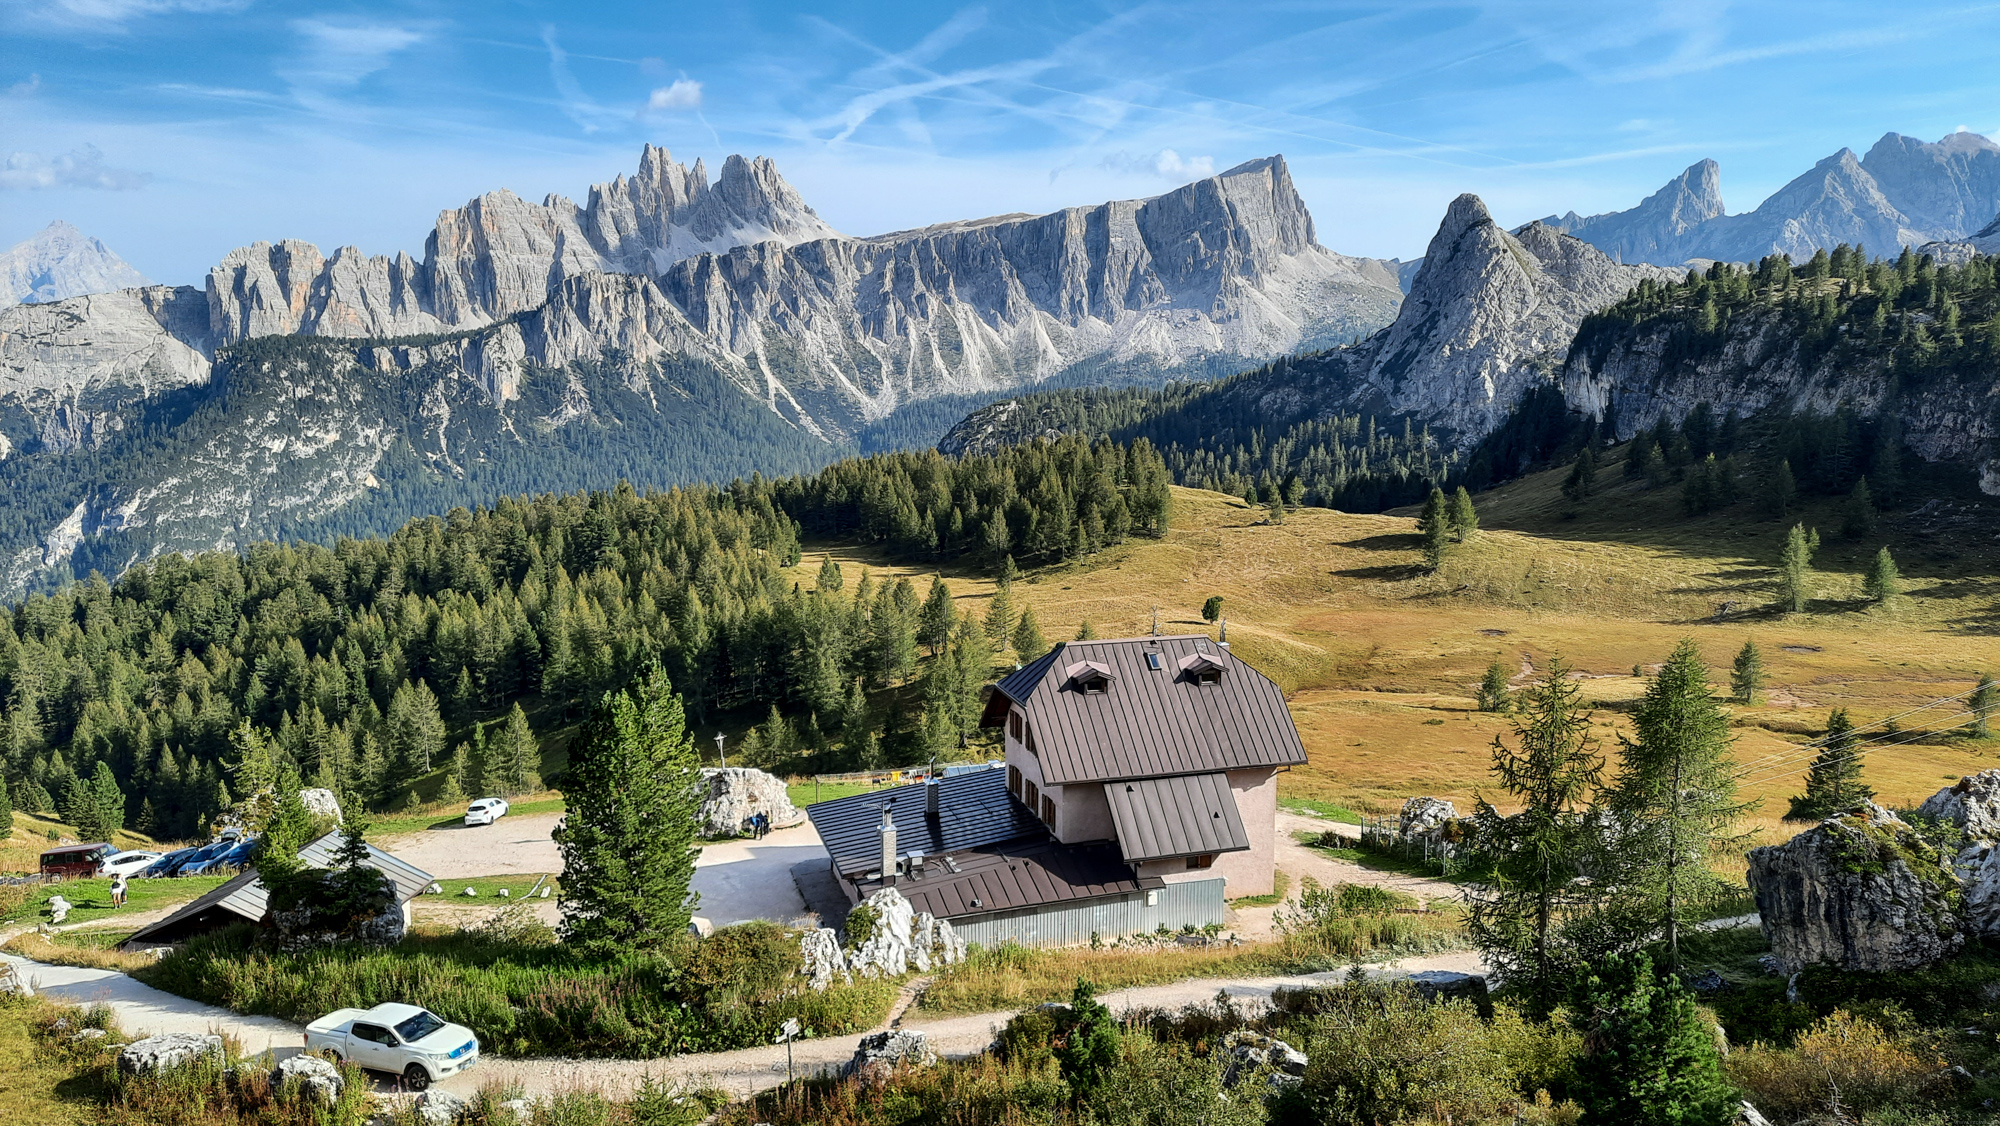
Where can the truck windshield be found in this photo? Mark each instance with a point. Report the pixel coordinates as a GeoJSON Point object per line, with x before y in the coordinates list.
{"type": "Point", "coordinates": [418, 1027]}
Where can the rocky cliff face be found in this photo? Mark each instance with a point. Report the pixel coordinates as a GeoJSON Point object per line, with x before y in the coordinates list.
{"type": "Point", "coordinates": [60, 262]}
{"type": "Point", "coordinates": [1904, 192]}
{"type": "Point", "coordinates": [73, 366]}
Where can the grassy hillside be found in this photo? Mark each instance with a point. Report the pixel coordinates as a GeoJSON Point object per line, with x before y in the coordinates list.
{"type": "Point", "coordinates": [1379, 658]}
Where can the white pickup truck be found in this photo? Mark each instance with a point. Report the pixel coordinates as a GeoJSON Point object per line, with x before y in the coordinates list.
{"type": "Point", "coordinates": [404, 1040]}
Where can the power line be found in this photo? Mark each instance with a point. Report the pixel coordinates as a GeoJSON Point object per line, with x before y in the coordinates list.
{"type": "Point", "coordinates": [1857, 752]}
{"type": "Point", "coordinates": [1753, 764]}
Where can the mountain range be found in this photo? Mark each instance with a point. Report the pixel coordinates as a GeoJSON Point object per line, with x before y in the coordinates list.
{"type": "Point", "coordinates": [1905, 192]}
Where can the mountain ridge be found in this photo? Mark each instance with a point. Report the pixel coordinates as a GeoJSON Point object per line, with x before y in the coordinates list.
{"type": "Point", "coordinates": [61, 261]}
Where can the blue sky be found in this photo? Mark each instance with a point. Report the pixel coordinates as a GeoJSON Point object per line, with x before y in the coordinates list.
{"type": "Point", "coordinates": [179, 129]}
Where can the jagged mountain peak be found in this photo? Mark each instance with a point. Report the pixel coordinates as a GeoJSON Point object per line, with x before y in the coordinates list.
{"type": "Point", "coordinates": [61, 261]}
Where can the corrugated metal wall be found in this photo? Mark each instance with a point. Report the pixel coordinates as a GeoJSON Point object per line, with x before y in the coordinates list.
{"type": "Point", "coordinates": [1195, 903]}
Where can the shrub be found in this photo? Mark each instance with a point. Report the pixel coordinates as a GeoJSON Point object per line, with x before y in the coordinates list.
{"type": "Point", "coordinates": [1086, 1040]}
{"type": "Point", "coordinates": [1842, 1065]}
{"type": "Point", "coordinates": [1648, 1054]}
{"type": "Point", "coordinates": [1027, 1038]}
{"type": "Point", "coordinates": [1155, 1084]}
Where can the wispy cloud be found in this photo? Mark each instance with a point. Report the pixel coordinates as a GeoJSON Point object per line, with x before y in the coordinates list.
{"type": "Point", "coordinates": [576, 105]}
{"type": "Point", "coordinates": [337, 56]}
{"type": "Point", "coordinates": [683, 94]}
{"type": "Point", "coordinates": [1166, 163]}
{"type": "Point", "coordinates": [103, 15]}
{"type": "Point", "coordinates": [82, 167]}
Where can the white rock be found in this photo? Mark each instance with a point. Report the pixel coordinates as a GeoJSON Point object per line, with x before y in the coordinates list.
{"type": "Point", "coordinates": [167, 1051]}
{"type": "Point", "coordinates": [469, 891]}
{"type": "Point", "coordinates": [59, 909]}
{"type": "Point", "coordinates": [821, 960]}
{"type": "Point", "coordinates": [884, 1052]}
{"type": "Point", "coordinates": [321, 802]}
{"type": "Point", "coordinates": [439, 1108]}
{"type": "Point", "coordinates": [1423, 817]}
{"type": "Point", "coordinates": [317, 1076]}
{"type": "Point", "coordinates": [736, 793]}
{"type": "Point", "coordinates": [1972, 804]}
{"type": "Point", "coordinates": [904, 939]}
{"type": "Point", "coordinates": [700, 927]}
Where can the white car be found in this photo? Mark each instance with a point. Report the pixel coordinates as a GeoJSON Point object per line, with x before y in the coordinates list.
{"type": "Point", "coordinates": [129, 863]}
{"type": "Point", "coordinates": [485, 811]}
{"type": "Point", "coordinates": [404, 1040]}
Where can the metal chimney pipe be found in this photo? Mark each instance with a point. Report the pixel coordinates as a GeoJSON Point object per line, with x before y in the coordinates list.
{"type": "Point", "coordinates": [888, 846]}
{"type": "Point", "coordinates": [931, 789]}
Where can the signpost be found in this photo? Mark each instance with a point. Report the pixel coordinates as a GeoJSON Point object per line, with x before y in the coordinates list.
{"type": "Point", "coordinates": [788, 1032]}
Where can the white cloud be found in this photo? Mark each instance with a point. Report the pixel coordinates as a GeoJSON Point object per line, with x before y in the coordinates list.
{"type": "Point", "coordinates": [115, 13]}
{"type": "Point", "coordinates": [340, 55]}
{"type": "Point", "coordinates": [80, 168]}
{"type": "Point", "coordinates": [1166, 163]}
{"type": "Point", "coordinates": [683, 94]}
{"type": "Point", "coordinates": [25, 89]}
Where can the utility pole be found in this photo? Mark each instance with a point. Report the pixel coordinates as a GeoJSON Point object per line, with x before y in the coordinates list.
{"type": "Point", "coordinates": [718, 750]}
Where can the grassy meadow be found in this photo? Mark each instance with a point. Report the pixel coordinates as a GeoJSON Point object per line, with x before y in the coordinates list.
{"type": "Point", "coordinates": [1379, 658]}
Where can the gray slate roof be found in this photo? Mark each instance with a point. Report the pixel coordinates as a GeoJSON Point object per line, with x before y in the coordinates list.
{"type": "Point", "coordinates": [245, 897]}
{"type": "Point", "coordinates": [1016, 874]}
{"type": "Point", "coordinates": [975, 809]}
{"type": "Point", "coordinates": [1186, 815]}
{"type": "Point", "coordinates": [1152, 723]}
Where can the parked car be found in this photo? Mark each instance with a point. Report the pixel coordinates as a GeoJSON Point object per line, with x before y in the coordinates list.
{"type": "Point", "coordinates": [234, 856]}
{"type": "Point", "coordinates": [404, 1040]}
{"type": "Point", "coordinates": [196, 856]}
{"type": "Point", "coordinates": [75, 862]}
{"type": "Point", "coordinates": [168, 863]}
{"type": "Point", "coordinates": [485, 811]}
{"type": "Point", "coordinates": [129, 863]}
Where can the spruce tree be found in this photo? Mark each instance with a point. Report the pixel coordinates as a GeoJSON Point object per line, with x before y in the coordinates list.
{"type": "Point", "coordinates": [1211, 610]}
{"type": "Point", "coordinates": [935, 620]}
{"type": "Point", "coordinates": [1649, 1056]}
{"type": "Point", "coordinates": [1434, 525]}
{"type": "Point", "coordinates": [999, 621]}
{"type": "Point", "coordinates": [1884, 582]}
{"type": "Point", "coordinates": [1834, 782]}
{"type": "Point", "coordinates": [451, 791]}
{"type": "Point", "coordinates": [1639, 455]}
{"type": "Point", "coordinates": [1518, 923]}
{"type": "Point", "coordinates": [633, 790]}
{"type": "Point", "coordinates": [1028, 641]}
{"type": "Point", "coordinates": [108, 799]}
{"type": "Point", "coordinates": [1086, 631]}
{"type": "Point", "coordinates": [829, 580]}
{"type": "Point", "coordinates": [1464, 518]}
{"type": "Point", "coordinates": [1858, 521]}
{"type": "Point", "coordinates": [1493, 692]}
{"type": "Point", "coordinates": [1795, 581]}
{"type": "Point", "coordinates": [1746, 677]}
{"type": "Point", "coordinates": [1582, 479]}
{"type": "Point", "coordinates": [79, 808]}
{"type": "Point", "coordinates": [1675, 795]}
{"type": "Point", "coordinates": [1275, 511]}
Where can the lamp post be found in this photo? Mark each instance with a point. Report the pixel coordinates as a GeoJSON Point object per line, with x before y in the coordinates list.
{"type": "Point", "coordinates": [718, 750]}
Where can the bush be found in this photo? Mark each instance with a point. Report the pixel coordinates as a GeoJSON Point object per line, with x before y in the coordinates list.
{"type": "Point", "coordinates": [1842, 1065]}
{"type": "Point", "coordinates": [1649, 1055]}
{"type": "Point", "coordinates": [1156, 1084]}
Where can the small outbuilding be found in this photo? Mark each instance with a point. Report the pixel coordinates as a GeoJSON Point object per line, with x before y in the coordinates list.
{"type": "Point", "coordinates": [244, 899]}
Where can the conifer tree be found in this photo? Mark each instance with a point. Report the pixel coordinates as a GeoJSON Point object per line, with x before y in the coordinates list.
{"type": "Point", "coordinates": [1795, 581]}
{"type": "Point", "coordinates": [1434, 525]}
{"type": "Point", "coordinates": [1086, 631]}
{"type": "Point", "coordinates": [1675, 794]}
{"type": "Point", "coordinates": [1519, 922]}
{"type": "Point", "coordinates": [1639, 457]}
{"type": "Point", "coordinates": [628, 839]}
{"type": "Point", "coordinates": [1582, 480]}
{"type": "Point", "coordinates": [1464, 518]}
{"type": "Point", "coordinates": [1493, 692]}
{"type": "Point", "coordinates": [108, 799]}
{"type": "Point", "coordinates": [999, 621]}
{"type": "Point", "coordinates": [415, 731]}
{"type": "Point", "coordinates": [451, 791]}
{"type": "Point", "coordinates": [1746, 677]}
{"type": "Point", "coordinates": [79, 808]}
{"type": "Point", "coordinates": [1858, 521]}
{"type": "Point", "coordinates": [1211, 610]}
{"type": "Point", "coordinates": [935, 620]}
{"type": "Point", "coordinates": [1983, 702]}
{"type": "Point", "coordinates": [1781, 492]}
{"type": "Point", "coordinates": [1834, 782]}
{"type": "Point", "coordinates": [1649, 1054]}
{"type": "Point", "coordinates": [1028, 641]}
{"type": "Point", "coordinates": [829, 580]}
{"type": "Point", "coordinates": [1883, 583]}
{"type": "Point", "coordinates": [1275, 510]}
{"type": "Point", "coordinates": [7, 813]}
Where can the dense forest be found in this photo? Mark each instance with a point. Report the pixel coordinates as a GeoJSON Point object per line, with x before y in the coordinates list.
{"type": "Point", "coordinates": [381, 662]}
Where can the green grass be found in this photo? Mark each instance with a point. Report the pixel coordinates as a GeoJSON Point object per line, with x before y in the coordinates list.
{"type": "Point", "coordinates": [392, 825]}
{"type": "Point", "coordinates": [1281, 883]}
{"type": "Point", "coordinates": [90, 900]}
{"type": "Point", "coordinates": [28, 1079]}
{"type": "Point", "coordinates": [489, 887]}
{"type": "Point", "coordinates": [803, 794]}
{"type": "Point", "coordinates": [1373, 861]}
{"type": "Point", "coordinates": [1324, 810]}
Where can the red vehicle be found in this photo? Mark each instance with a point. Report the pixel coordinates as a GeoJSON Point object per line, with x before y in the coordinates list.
{"type": "Point", "coordinates": [75, 862]}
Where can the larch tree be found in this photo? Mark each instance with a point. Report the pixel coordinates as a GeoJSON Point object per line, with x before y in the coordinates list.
{"type": "Point", "coordinates": [1552, 770]}
{"type": "Point", "coordinates": [1493, 694]}
{"type": "Point", "coordinates": [1795, 576]}
{"type": "Point", "coordinates": [1028, 640]}
{"type": "Point", "coordinates": [1675, 797]}
{"type": "Point", "coordinates": [1984, 701]}
{"type": "Point", "coordinates": [936, 618]}
{"type": "Point", "coordinates": [1434, 525]}
{"type": "Point", "coordinates": [633, 790]}
{"type": "Point", "coordinates": [1883, 583]}
{"type": "Point", "coordinates": [1464, 517]}
{"type": "Point", "coordinates": [999, 620]}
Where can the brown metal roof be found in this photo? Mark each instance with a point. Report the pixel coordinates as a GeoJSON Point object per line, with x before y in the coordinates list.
{"type": "Point", "coordinates": [1186, 815]}
{"type": "Point", "coordinates": [1152, 723]}
{"type": "Point", "coordinates": [1013, 875]}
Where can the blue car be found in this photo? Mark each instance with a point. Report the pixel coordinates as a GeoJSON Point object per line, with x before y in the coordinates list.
{"type": "Point", "coordinates": [234, 856]}
{"type": "Point", "coordinates": [205, 852]}
{"type": "Point", "coordinates": [166, 864]}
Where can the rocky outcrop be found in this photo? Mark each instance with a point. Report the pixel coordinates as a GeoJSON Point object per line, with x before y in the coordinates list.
{"type": "Point", "coordinates": [1251, 1053]}
{"type": "Point", "coordinates": [899, 938]}
{"type": "Point", "coordinates": [1972, 803]}
{"type": "Point", "coordinates": [309, 926]}
{"type": "Point", "coordinates": [735, 794]}
{"type": "Point", "coordinates": [440, 1108]}
{"type": "Point", "coordinates": [1424, 816]}
{"type": "Point", "coordinates": [1658, 229]}
{"type": "Point", "coordinates": [881, 1054]}
{"type": "Point", "coordinates": [821, 960]}
{"type": "Point", "coordinates": [321, 803]}
{"type": "Point", "coordinates": [61, 261]}
{"type": "Point", "coordinates": [316, 1078]}
{"type": "Point", "coordinates": [1861, 891]}
{"type": "Point", "coordinates": [156, 1054]}
{"type": "Point", "coordinates": [1978, 869]}
{"type": "Point", "coordinates": [76, 366]}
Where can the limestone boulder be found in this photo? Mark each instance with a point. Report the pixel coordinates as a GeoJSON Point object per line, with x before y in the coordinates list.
{"type": "Point", "coordinates": [821, 960]}
{"type": "Point", "coordinates": [1972, 803]}
{"type": "Point", "coordinates": [737, 793]}
{"type": "Point", "coordinates": [1450, 985]}
{"type": "Point", "coordinates": [317, 1077]}
{"type": "Point", "coordinates": [439, 1108]}
{"type": "Point", "coordinates": [1425, 817]}
{"type": "Point", "coordinates": [899, 938]}
{"type": "Point", "coordinates": [1978, 869]}
{"type": "Point", "coordinates": [883, 1053]}
{"type": "Point", "coordinates": [310, 925]}
{"type": "Point", "coordinates": [167, 1051]}
{"type": "Point", "coordinates": [321, 803]}
{"type": "Point", "coordinates": [1861, 891]}
{"type": "Point", "coordinates": [1252, 1052]}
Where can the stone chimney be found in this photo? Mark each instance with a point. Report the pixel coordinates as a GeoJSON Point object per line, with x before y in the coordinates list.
{"type": "Point", "coordinates": [888, 846]}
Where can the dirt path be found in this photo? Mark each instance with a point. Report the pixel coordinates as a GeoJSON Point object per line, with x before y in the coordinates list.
{"type": "Point", "coordinates": [142, 1009]}
{"type": "Point", "coordinates": [1298, 861]}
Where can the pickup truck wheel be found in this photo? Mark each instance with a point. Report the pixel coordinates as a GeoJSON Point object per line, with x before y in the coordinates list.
{"type": "Point", "coordinates": [415, 1077]}
{"type": "Point", "coordinates": [331, 1054]}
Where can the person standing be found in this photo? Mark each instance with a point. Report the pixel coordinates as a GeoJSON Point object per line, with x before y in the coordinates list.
{"type": "Point", "coordinates": [118, 890]}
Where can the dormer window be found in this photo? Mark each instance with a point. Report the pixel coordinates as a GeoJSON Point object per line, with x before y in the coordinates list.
{"type": "Point", "coordinates": [1093, 685]}
{"type": "Point", "coordinates": [1090, 677]}
{"type": "Point", "coordinates": [1203, 668]}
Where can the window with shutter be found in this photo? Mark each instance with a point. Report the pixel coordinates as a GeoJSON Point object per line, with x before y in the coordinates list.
{"type": "Point", "coordinates": [1014, 780]}
{"type": "Point", "coordinates": [1049, 809]}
